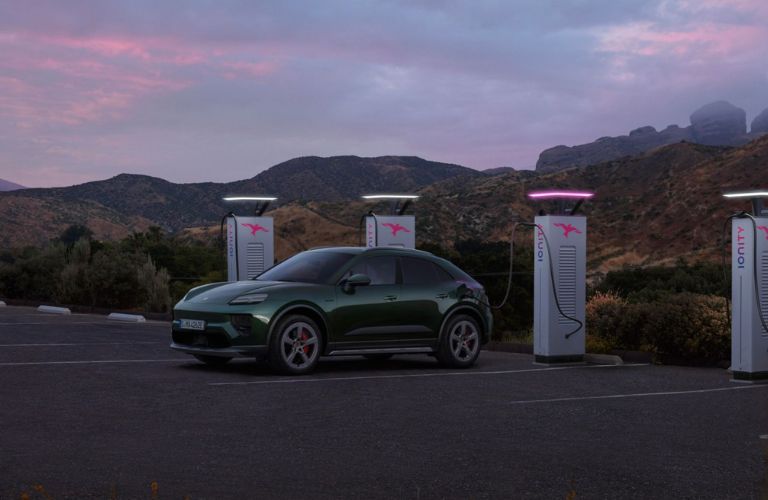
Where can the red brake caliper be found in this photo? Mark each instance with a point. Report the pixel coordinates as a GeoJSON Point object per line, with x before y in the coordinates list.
{"type": "Point", "coordinates": [304, 337]}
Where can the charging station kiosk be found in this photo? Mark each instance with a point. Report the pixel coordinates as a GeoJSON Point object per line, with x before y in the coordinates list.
{"type": "Point", "coordinates": [749, 290]}
{"type": "Point", "coordinates": [395, 230]}
{"type": "Point", "coordinates": [559, 284]}
{"type": "Point", "coordinates": [250, 240]}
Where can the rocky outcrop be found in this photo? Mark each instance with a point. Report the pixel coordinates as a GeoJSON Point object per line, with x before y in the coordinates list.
{"type": "Point", "coordinates": [760, 123]}
{"type": "Point", "coordinates": [718, 124]}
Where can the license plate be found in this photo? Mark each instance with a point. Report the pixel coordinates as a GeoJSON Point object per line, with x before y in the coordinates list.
{"type": "Point", "coordinates": [192, 324]}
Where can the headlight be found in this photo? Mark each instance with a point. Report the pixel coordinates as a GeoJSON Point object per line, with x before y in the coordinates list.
{"type": "Point", "coordinates": [249, 298]}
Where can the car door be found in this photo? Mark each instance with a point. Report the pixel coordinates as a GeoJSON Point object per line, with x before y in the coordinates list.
{"type": "Point", "coordinates": [427, 292]}
{"type": "Point", "coordinates": [366, 314]}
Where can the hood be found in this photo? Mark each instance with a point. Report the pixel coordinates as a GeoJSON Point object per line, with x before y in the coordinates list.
{"type": "Point", "coordinates": [223, 293]}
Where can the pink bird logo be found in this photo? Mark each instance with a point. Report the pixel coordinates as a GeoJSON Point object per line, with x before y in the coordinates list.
{"type": "Point", "coordinates": [567, 228]}
{"type": "Point", "coordinates": [255, 228]}
{"type": "Point", "coordinates": [395, 228]}
{"type": "Point", "coordinates": [765, 230]}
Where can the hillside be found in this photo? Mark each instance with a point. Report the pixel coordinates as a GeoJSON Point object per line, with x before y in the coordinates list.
{"type": "Point", "coordinates": [650, 209]}
{"type": "Point", "coordinates": [128, 201]}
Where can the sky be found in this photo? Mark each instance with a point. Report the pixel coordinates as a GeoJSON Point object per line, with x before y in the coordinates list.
{"type": "Point", "coordinates": [203, 90]}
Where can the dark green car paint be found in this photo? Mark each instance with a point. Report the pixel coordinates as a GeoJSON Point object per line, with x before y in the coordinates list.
{"type": "Point", "coordinates": [390, 316]}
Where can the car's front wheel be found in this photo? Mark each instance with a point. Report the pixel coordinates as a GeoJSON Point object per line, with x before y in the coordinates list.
{"type": "Point", "coordinates": [460, 342]}
{"type": "Point", "coordinates": [295, 345]}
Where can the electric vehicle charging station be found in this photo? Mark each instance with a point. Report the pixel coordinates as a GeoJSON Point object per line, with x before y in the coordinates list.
{"type": "Point", "coordinates": [250, 239]}
{"type": "Point", "coordinates": [559, 285]}
{"type": "Point", "coordinates": [395, 230]}
{"type": "Point", "coordinates": [749, 289]}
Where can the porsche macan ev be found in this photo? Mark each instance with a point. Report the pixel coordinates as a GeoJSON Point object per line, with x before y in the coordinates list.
{"type": "Point", "coordinates": [375, 302]}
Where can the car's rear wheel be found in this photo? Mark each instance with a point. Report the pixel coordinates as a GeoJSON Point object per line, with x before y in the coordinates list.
{"type": "Point", "coordinates": [295, 345]}
{"type": "Point", "coordinates": [212, 360]}
{"type": "Point", "coordinates": [460, 342]}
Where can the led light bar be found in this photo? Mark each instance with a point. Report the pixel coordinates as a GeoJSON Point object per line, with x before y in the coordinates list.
{"type": "Point", "coordinates": [390, 196]}
{"type": "Point", "coordinates": [540, 195]}
{"type": "Point", "coordinates": [747, 194]}
{"type": "Point", "coordinates": [249, 198]}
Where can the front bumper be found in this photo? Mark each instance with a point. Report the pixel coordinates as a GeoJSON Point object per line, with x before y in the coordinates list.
{"type": "Point", "coordinates": [256, 351]}
{"type": "Point", "coordinates": [221, 336]}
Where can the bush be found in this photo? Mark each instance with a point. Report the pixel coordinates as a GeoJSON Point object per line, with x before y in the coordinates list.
{"type": "Point", "coordinates": [155, 284]}
{"type": "Point", "coordinates": [640, 284]}
{"type": "Point", "coordinates": [691, 327]}
{"type": "Point", "coordinates": [684, 326]}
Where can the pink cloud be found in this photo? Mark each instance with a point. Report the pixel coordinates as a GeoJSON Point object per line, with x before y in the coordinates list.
{"type": "Point", "coordinates": [233, 69]}
{"type": "Point", "coordinates": [72, 80]}
{"type": "Point", "coordinates": [710, 40]}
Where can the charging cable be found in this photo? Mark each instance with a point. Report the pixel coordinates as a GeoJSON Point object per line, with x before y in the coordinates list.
{"type": "Point", "coordinates": [579, 323]}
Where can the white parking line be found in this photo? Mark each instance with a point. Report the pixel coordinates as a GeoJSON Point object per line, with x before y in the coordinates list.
{"type": "Point", "coordinates": [81, 343]}
{"type": "Point", "coordinates": [57, 323]}
{"type": "Point", "coordinates": [638, 395]}
{"type": "Point", "coordinates": [108, 361]}
{"type": "Point", "coordinates": [419, 375]}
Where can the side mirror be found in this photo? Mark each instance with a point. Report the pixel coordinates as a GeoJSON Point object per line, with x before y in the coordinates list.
{"type": "Point", "coordinates": [349, 284]}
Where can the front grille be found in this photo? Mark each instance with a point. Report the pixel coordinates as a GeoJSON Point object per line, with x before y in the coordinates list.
{"type": "Point", "coordinates": [201, 339]}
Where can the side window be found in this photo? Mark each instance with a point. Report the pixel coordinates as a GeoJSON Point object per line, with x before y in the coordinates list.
{"type": "Point", "coordinates": [382, 270]}
{"type": "Point", "coordinates": [422, 272]}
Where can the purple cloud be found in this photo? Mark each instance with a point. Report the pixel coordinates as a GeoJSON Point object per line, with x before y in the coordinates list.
{"type": "Point", "coordinates": [194, 91]}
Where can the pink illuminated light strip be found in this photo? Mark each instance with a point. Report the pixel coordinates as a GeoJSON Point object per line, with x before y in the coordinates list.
{"type": "Point", "coordinates": [561, 194]}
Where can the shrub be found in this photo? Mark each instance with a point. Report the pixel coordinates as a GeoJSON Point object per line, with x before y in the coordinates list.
{"type": "Point", "coordinates": [74, 285]}
{"type": "Point", "coordinates": [689, 326]}
{"type": "Point", "coordinates": [682, 326]}
{"type": "Point", "coordinates": [155, 284]}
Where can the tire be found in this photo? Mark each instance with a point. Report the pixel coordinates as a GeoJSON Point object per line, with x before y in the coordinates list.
{"type": "Point", "coordinates": [295, 345]}
{"type": "Point", "coordinates": [459, 342]}
{"type": "Point", "coordinates": [212, 360]}
{"type": "Point", "coordinates": [378, 357]}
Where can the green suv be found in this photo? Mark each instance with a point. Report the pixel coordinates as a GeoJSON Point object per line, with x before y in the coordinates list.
{"type": "Point", "coordinates": [374, 302]}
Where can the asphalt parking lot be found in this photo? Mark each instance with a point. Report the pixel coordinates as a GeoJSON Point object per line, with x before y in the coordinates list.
{"type": "Point", "coordinates": [91, 408]}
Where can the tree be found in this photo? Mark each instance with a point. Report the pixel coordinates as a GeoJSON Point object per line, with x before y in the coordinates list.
{"type": "Point", "coordinates": [74, 233]}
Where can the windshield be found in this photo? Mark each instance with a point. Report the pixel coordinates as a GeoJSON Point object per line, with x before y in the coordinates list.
{"type": "Point", "coordinates": [307, 267]}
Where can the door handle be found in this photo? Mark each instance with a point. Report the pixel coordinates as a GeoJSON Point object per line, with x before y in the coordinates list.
{"type": "Point", "coordinates": [442, 296]}
{"type": "Point", "coordinates": [390, 298]}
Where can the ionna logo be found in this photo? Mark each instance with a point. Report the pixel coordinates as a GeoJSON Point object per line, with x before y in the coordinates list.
{"type": "Point", "coordinates": [765, 230]}
{"type": "Point", "coordinates": [740, 247]}
{"type": "Point", "coordinates": [395, 228]}
{"type": "Point", "coordinates": [255, 228]}
{"type": "Point", "coordinates": [567, 228]}
{"type": "Point", "coordinates": [371, 233]}
{"type": "Point", "coordinates": [539, 244]}
{"type": "Point", "coordinates": [231, 239]}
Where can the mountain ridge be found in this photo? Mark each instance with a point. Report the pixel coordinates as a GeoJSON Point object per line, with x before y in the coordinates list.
{"type": "Point", "coordinates": [6, 185]}
{"type": "Point", "coordinates": [650, 209]}
{"type": "Point", "coordinates": [719, 123]}
{"type": "Point", "coordinates": [138, 197]}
